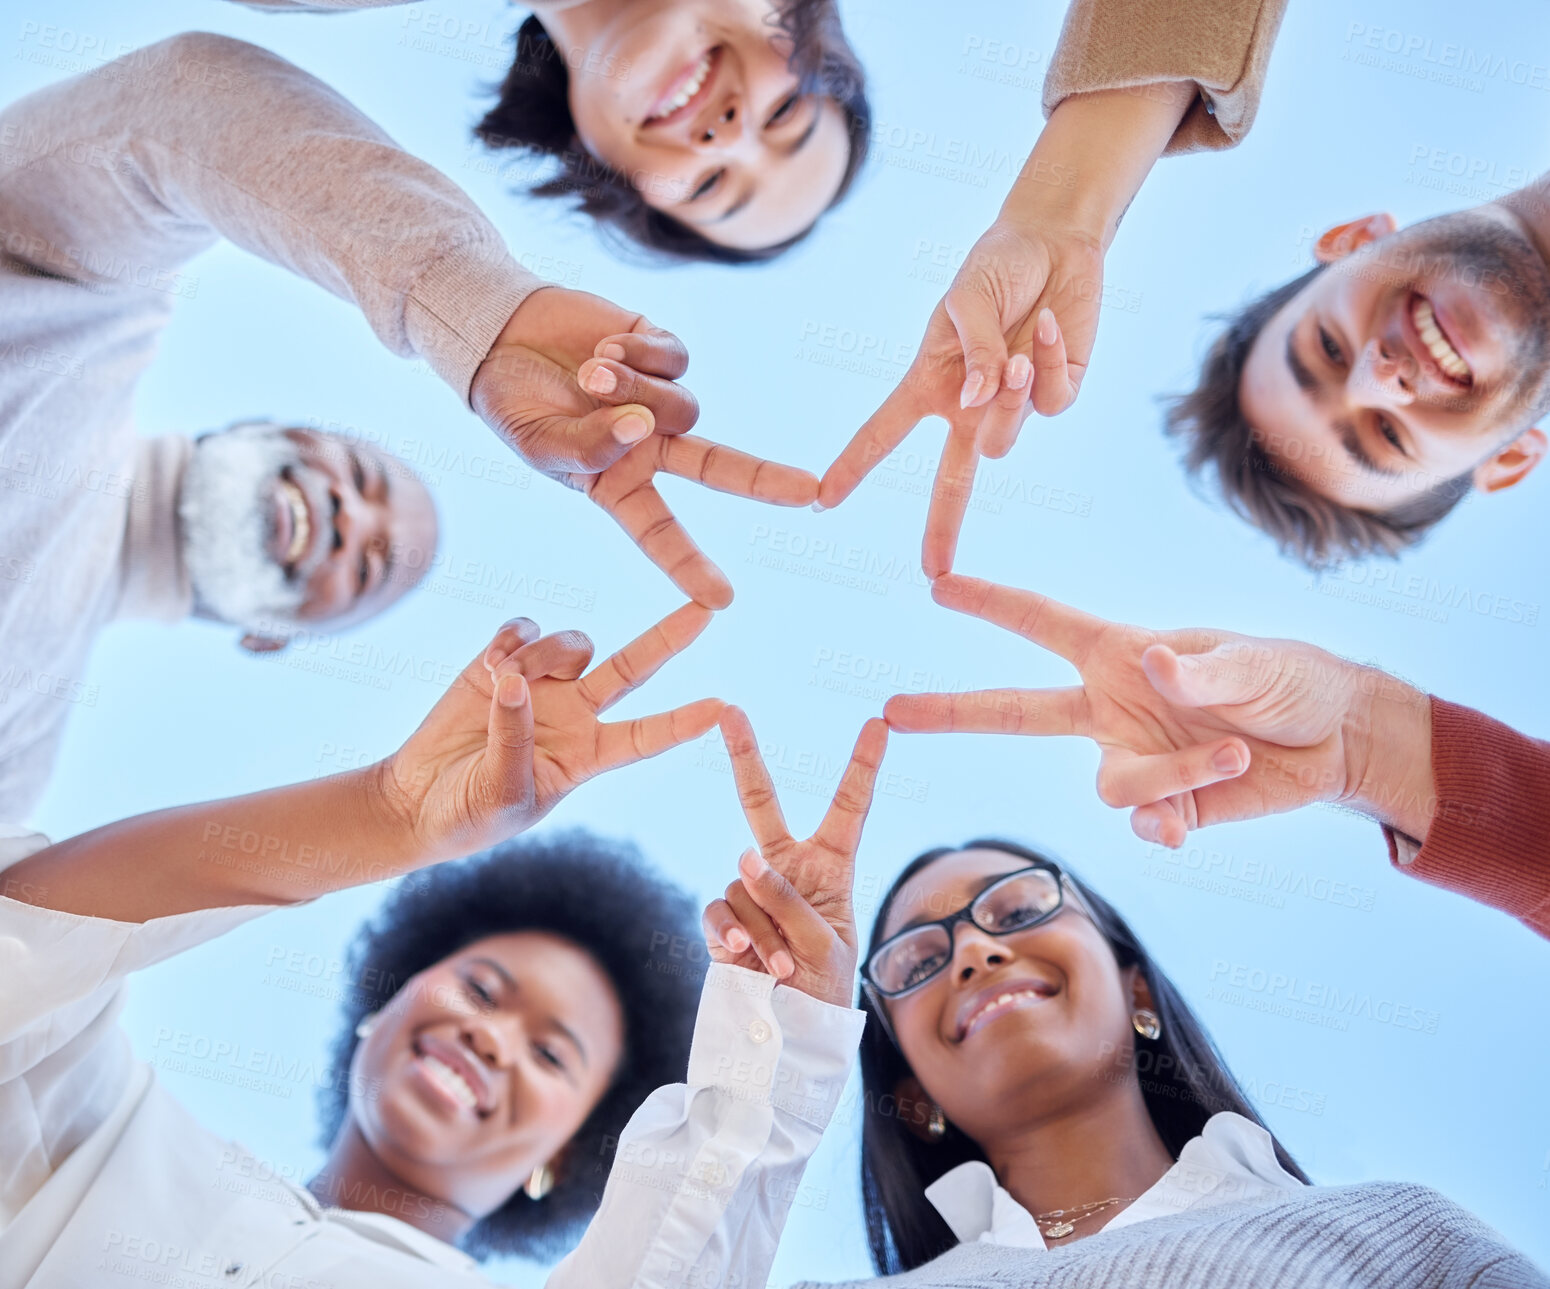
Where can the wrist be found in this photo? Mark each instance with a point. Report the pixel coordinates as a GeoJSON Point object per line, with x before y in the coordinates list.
{"type": "Point", "coordinates": [1388, 735]}
{"type": "Point", "coordinates": [392, 808]}
{"type": "Point", "coordinates": [1092, 157]}
{"type": "Point", "coordinates": [502, 361]}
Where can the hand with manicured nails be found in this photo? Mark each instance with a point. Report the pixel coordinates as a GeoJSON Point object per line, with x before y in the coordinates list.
{"type": "Point", "coordinates": [587, 393]}
{"type": "Point", "coordinates": [1198, 726]}
{"type": "Point", "coordinates": [518, 730]}
{"type": "Point", "coordinates": [790, 912]}
{"type": "Point", "coordinates": [1012, 334]}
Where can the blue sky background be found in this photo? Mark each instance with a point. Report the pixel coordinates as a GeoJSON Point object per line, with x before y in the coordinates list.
{"type": "Point", "coordinates": [787, 361]}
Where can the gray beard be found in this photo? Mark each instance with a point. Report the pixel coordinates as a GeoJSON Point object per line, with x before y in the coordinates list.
{"type": "Point", "coordinates": [226, 513]}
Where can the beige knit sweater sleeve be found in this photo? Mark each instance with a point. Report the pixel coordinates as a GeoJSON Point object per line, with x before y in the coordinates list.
{"type": "Point", "coordinates": [150, 159]}
{"type": "Point", "coordinates": [1221, 45]}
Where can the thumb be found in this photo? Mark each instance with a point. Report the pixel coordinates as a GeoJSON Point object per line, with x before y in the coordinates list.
{"type": "Point", "coordinates": [587, 444]}
{"type": "Point", "coordinates": [978, 325]}
{"type": "Point", "coordinates": [508, 751]}
{"type": "Point", "coordinates": [1233, 672]}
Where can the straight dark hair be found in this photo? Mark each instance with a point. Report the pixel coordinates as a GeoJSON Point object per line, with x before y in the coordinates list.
{"type": "Point", "coordinates": [1184, 1081]}
{"type": "Point", "coordinates": [532, 114]}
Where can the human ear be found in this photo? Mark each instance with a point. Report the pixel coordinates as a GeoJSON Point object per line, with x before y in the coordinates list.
{"type": "Point", "coordinates": [255, 643]}
{"type": "Point", "coordinates": [913, 1106]}
{"type": "Point", "coordinates": [1511, 463]}
{"type": "Point", "coordinates": [1140, 991]}
{"type": "Point", "coordinates": [1342, 239]}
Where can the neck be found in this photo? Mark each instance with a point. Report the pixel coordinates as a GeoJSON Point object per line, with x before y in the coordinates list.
{"type": "Point", "coordinates": [354, 1178]}
{"type": "Point", "coordinates": [1083, 1154]}
{"type": "Point", "coordinates": [153, 577]}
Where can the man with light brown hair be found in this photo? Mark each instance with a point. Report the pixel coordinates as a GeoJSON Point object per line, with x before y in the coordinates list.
{"type": "Point", "coordinates": [1348, 411]}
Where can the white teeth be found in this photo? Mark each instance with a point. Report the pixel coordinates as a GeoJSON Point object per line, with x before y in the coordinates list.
{"type": "Point", "coordinates": [1443, 354]}
{"type": "Point", "coordinates": [451, 1080]}
{"type": "Point", "coordinates": [687, 90]}
{"type": "Point", "coordinates": [301, 522]}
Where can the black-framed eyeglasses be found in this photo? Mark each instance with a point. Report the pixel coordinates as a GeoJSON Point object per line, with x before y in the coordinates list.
{"type": "Point", "coordinates": [1016, 902]}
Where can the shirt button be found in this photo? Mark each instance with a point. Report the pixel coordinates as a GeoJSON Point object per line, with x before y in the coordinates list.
{"type": "Point", "coordinates": [759, 1031]}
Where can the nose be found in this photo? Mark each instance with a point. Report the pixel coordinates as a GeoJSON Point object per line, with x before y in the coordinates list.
{"type": "Point", "coordinates": [721, 128]}
{"type": "Point", "coordinates": [1386, 371]}
{"type": "Point", "coordinates": [492, 1039]}
{"type": "Point", "coordinates": [975, 952]}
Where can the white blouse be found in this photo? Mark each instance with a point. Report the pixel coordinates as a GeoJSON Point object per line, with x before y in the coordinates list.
{"type": "Point", "coordinates": [1233, 1160]}
{"type": "Point", "coordinates": [103, 1171]}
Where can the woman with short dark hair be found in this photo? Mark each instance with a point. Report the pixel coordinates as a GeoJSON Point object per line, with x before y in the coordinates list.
{"type": "Point", "coordinates": [690, 130]}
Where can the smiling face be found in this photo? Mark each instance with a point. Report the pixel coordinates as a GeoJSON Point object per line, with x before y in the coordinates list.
{"type": "Point", "coordinates": [483, 1066]}
{"type": "Point", "coordinates": [297, 526]}
{"type": "Point", "coordinates": [1018, 1026]}
{"type": "Point", "coordinates": [1418, 357]}
{"type": "Point", "coordinates": [696, 104]}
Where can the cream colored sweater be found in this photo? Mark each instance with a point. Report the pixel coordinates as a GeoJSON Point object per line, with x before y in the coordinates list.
{"type": "Point", "coordinates": [109, 184]}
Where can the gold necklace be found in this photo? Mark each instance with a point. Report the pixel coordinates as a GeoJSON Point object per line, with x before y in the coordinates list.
{"type": "Point", "coordinates": [1069, 1217]}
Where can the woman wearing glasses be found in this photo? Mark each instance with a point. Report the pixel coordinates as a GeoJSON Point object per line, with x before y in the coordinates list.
{"type": "Point", "coordinates": [1042, 1108]}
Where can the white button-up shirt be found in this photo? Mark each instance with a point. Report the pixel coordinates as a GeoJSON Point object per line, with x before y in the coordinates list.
{"type": "Point", "coordinates": [103, 1171]}
{"type": "Point", "coordinates": [1233, 1160]}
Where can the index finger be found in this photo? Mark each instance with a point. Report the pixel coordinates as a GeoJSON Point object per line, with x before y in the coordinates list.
{"type": "Point", "coordinates": [949, 500]}
{"type": "Point", "coordinates": [626, 492]}
{"type": "Point", "coordinates": [755, 789]}
{"type": "Point", "coordinates": [884, 430]}
{"type": "Point", "coordinates": [840, 830]}
{"type": "Point", "coordinates": [1048, 623]}
{"type": "Point", "coordinates": [727, 470]}
{"type": "Point", "coordinates": [639, 660]}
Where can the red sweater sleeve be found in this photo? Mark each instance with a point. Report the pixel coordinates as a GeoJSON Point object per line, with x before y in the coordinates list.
{"type": "Point", "coordinates": [1490, 837]}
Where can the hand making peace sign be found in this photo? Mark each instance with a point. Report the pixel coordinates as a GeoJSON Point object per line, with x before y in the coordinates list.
{"type": "Point", "coordinates": [790, 911]}
{"type": "Point", "coordinates": [1196, 726]}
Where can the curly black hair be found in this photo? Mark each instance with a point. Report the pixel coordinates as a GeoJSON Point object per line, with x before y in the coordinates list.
{"type": "Point", "coordinates": [532, 114]}
{"type": "Point", "coordinates": [597, 893]}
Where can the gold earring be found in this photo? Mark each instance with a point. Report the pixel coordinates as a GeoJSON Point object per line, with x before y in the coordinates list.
{"type": "Point", "coordinates": [539, 1182]}
{"type": "Point", "coordinates": [1146, 1022]}
{"type": "Point", "coordinates": [936, 1123]}
{"type": "Point", "coordinates": [365, 1025]}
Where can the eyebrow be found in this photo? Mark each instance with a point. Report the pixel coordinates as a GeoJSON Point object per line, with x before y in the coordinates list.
{"type": "Point", "coordinates": [802, 142]}
{"type": "Point", "coordinates": [511, 984]}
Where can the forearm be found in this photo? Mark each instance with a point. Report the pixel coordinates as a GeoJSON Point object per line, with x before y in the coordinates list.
{"type": "Point", "coordinates": [1093, 156]}
{"type": "Point", "coordinates": [276, 847]}
{"type": "Point", "coordinates": [152, 157]}
{"type": "Point", "coordinates": [706, 1171]}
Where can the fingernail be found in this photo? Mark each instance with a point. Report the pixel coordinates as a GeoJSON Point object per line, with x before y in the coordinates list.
{"type": "Point", "coordinates": [630, 429]}
{"type": "Point", "coordinates": [511, 691]}
{"type": "Point", "coordinates": [971, 389]}
{"type": "Point", "coordinates": [819, 507]}
{"type": "Point", "coordinates": [602, 381]}
{"type": "Point", "coordinates": [1229, 760]}
{"type": "Point", "coordinates": [752, 865]}
{"type": "Point", "coordinates": [737, 940]}
{"type": "Point", "coordinates": [781, 964]}
{"type": "Point", "coordinates": [616, 352]}
{"type": "Point", "coordinates": [1046, 328]}
{"type": "Point", "coordinates": [1018, 370]}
